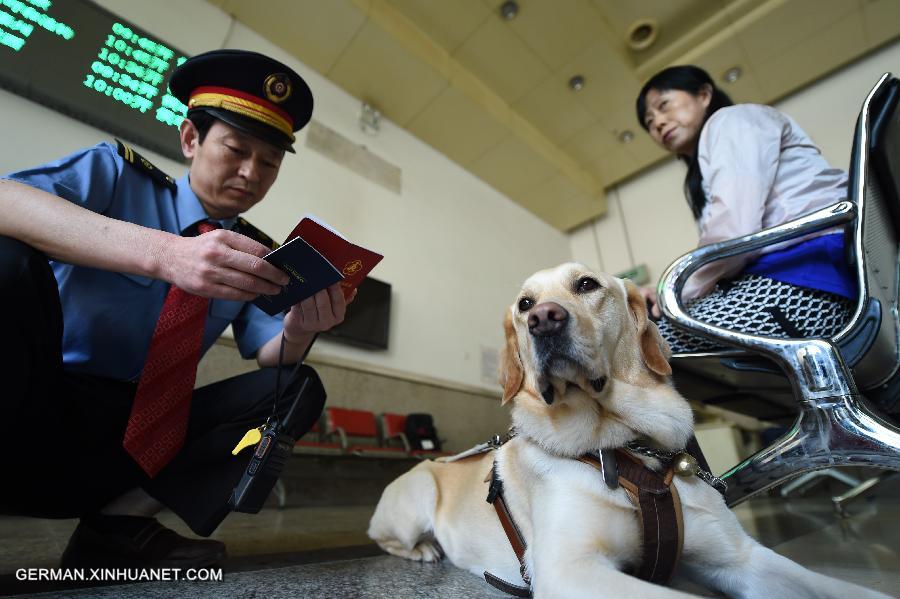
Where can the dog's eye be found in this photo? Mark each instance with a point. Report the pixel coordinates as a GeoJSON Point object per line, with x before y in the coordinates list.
{"type": "Point", "coordinates": [586, 284]}
{"type": "Point", "coordinates": [526, 304]}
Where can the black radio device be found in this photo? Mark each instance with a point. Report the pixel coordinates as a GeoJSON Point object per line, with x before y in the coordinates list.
{"type": "Point", "coordinates": [269, 458]}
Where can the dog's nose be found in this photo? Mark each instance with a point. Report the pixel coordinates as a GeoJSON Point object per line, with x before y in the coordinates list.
{"type": "Point", "coordinates": [546, 319]}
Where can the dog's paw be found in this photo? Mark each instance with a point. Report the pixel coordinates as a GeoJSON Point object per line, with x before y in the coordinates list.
{"type": "Point", "coordinates": [428, 551]}
{"type": "Point", "coordinates": [423, 551]}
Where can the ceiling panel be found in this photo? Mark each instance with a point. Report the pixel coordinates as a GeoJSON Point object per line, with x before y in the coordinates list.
{"type": "Point", "coordinates": [376, 68]}
{"type": "Point", "coordinates": [562, 204]}
{"type": "Point", "coordinates": [457, 126]}
{"type": "Point", "coordinates": [622, 14]}
{"type": "Point", "coordinates": [614, 167]}
{"type": "Point", "coordinates": [791, 21]}
{"type": "Point", "coordinates": [556, 190]}
{"type": "Point", "coordinates": [600, 152]}
{"type": "Point", "coordinates": [673, 17]}
{"type": "Point", "coordinates": [555, 109]}
{"type": "Point", "coordinates": [807, 60]}
{"type": "Point", "coordinates": [880, 18]}
{"type": "Point", "coordinates": [558, 31]}
{"type": "Point", "coordinates": [492, 94]}
{"type": "Point", "coordinates": [609, 83]}
{"type": "Point", "coordinates": [513, 167]}
{"type": "Point", "coordinates": [575, 211]}
{"type": "Point", "coordinates": [447, 23]}
{"type": "Point", "coordinates": [499, 57]}
{"type": "Point", "coordinates": [592, 144]}
{"type": "Point", "coordinates": [317, 31]}
{"type": "Point", "coordinates": [623, 119]}
{"type": "Point", "coordinates": [643, 149]}
{"type": "Point", "coordinates": [722, 57]}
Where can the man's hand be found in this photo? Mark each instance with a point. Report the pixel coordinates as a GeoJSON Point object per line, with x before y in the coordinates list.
{"type": "Point", "coordinates": [315, 314]}
{"type": "Point", "coordinates": [649, 294]}
{"type": "Point", "coordinates": [222, 264]}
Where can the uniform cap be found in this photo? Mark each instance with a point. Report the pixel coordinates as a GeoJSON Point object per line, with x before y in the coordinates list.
{"type": "Point", "coordinates": [247, 90]}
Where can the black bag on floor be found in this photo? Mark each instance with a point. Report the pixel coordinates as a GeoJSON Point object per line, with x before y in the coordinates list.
{"type": "Point", "coordinates": [421, 434]}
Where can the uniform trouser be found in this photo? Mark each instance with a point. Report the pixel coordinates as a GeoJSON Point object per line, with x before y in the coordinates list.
{"type": "Point", "coordinates": [61, 432]}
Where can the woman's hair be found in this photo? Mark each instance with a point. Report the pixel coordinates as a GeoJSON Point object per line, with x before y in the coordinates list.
{"type": "Point", "coordinates": [690, 79]}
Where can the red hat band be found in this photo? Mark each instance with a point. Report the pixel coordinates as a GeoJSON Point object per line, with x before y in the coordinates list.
{"type": "Point", "coordinates": [244, 104]}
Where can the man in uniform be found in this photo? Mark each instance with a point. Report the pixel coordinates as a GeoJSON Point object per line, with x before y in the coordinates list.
{"type": "Point", "coordinates": [114, 279]}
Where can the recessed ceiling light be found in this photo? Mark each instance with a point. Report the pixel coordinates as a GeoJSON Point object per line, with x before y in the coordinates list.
{"type": "Point", "coordinates": [509, 10]}
{"type": "Point", "coordinates": [732, 74]}
{"type": "Point", "coordinates": [626, 136]}
{"type": "Point", "coordinates": [577, 83]}
{"type": "Point", "coordinates": [642, 33]}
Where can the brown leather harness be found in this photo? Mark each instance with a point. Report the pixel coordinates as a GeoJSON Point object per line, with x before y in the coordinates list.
{"type": "Point", "coordinates": [659, 510]}
{"type": "Point", "coordinates": [516, 540]}
{"type": "Point", "coordinates": [653, 495]}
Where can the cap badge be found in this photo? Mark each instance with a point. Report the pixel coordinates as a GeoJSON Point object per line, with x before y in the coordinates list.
{"type": "Point", "coordinates": [277, 87]}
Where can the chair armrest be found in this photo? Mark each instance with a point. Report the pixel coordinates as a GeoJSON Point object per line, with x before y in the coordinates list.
{"type": "Point", "coordinates": [341, 435]}
{"type": "Point", "coordinates": [403, 439]}
{"type": "Point", "coordinates": [817, 366]}
{"type": "Point", "coordinates": [672, 282]}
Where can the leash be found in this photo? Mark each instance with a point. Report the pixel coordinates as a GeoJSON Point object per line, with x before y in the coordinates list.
{"type": "Point", "coordinates": [683, 462]}
{"type": "Point", "coordinates": [489, 445]}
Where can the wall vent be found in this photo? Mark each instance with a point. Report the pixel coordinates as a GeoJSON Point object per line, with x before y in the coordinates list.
{"type": "Point", "coordinates": [358, 159]}
{"type": "Point", "coordinates": [490, 365]}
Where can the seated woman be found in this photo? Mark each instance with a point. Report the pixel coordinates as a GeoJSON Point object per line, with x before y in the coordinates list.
{"type": "Point", "coordinates": [750, 167]}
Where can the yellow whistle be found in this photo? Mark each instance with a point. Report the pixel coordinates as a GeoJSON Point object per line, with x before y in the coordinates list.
{"type": "Point", "coordinates": [249, 439]}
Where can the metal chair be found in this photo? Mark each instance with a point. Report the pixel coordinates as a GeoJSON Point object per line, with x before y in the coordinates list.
{"type": "Point", "coordinates": [840, 387]}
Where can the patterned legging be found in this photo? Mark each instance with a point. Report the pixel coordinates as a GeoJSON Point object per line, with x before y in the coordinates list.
{"type": "Point", "coordinates": [755, 304]}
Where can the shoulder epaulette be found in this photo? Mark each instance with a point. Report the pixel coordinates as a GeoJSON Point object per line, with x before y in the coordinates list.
{"type": "Point", "coordinates": [245, 228]}
{"type": "Point", "coordinates": [145, 166]}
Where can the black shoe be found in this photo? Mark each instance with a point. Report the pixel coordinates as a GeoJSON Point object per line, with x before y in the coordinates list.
{"type": "Point", "coordinates": [136, 542]}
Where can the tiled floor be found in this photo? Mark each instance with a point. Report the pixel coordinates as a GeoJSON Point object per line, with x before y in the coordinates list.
{"type": "Point", "coordinates": [323, 552]}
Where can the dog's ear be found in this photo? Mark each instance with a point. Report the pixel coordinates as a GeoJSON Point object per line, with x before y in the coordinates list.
{"type": "Point", "coordinates": [511, 371]}
{"type": "Point", "coordinates": [654, 348]}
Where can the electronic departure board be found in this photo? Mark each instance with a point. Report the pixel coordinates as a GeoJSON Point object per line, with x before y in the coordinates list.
{"type": "Point", "coordinates": [86, 62]}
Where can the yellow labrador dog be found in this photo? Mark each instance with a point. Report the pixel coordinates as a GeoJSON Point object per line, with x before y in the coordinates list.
{"type": "Point", "coordinates": [586, 370]}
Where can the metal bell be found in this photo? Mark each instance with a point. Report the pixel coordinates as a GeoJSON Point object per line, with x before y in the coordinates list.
{"type": "Point", "coordinates": [685, 465]}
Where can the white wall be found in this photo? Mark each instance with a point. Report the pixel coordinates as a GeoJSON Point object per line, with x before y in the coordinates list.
{"type": "Point", "coordinates": [649, 220]}
{"type": "Point", "coordinates": [455, 250]}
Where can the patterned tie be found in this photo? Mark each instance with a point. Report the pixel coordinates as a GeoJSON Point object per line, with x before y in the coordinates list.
{"type": "Point", "coordinates": [159, 415]}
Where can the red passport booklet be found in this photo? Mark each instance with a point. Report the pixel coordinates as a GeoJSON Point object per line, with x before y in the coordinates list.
{"type": "Point", "coordinates": [316, 256]}
{"type": "Point", "coordinates": [352, 261]}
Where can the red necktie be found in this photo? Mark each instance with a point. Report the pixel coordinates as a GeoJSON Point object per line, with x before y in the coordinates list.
{"type": "Point", "coordinates": [159, 415]}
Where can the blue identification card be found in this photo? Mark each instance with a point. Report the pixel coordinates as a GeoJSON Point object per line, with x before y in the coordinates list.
{"type": "Point", "coordinates": [309, 270]}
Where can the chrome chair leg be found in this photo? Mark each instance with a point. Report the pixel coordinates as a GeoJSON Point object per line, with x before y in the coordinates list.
{"type": "Point", "coordinates": [805, 481]}
{"type": "Point", "coordinates": [829, 432]}
{"type": "Point", "coordinates": [840, 501]}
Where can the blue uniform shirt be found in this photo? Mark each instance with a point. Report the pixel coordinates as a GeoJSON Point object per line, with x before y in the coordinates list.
{"type": "Point", "coordinates": [109, 317]}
